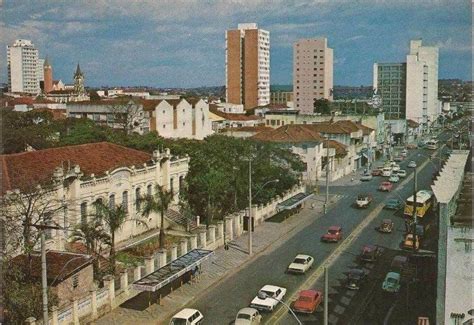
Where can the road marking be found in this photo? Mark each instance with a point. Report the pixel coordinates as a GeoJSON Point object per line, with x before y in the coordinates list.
{"type": "Point", "coordinates": [280, 312]}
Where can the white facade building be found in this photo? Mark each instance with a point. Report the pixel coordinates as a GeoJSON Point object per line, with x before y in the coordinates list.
{"type": "Point", "coordinates": [22, 58]}
{"type": "Point", "coordinates": [422, 84]}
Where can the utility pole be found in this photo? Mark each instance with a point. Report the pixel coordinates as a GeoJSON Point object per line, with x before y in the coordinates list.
{"type": "Point", "coordinates": [326, 202]}
{"type": "Point", "coordinates": [326, 289]}
{"type": "Point", "coordinates": [250, 207]}
{"type": "Point", "coordinates": [415, 217]}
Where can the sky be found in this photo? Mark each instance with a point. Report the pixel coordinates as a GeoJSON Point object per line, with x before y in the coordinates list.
{"type": "Point", "coordinates": [181, 43]}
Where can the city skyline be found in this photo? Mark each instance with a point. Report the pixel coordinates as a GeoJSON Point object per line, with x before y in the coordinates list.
{"type": "Point", "coordinates": [182, 44]}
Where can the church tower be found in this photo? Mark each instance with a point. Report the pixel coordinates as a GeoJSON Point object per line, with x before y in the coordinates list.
{"type": "Point", "coordinates": [79, 81]}
{"type": "Point", "coordinates": [48, 76]}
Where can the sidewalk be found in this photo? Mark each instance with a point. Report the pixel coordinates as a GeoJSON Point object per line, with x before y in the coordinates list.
{"type": "Point", "coordinates": [222, 265]}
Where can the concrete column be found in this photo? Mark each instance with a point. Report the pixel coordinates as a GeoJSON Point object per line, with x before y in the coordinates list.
{"type": "Point", "coordinates": [198, 221]}
{"type": "Point", "coordinates": [220, 229]}
{"type": "Point", "coordinates": [161, 257]}
{"type": "Point", "coordinates": [75, 312]}
{"type": "Point", "coordinates": [137, 273]}
{"type": "Point", "coordinates": [30, 321]}
{"type": "Point", "coordinates": [183, 246]}
{"type": "Point", "coordinates": [174, 252]}
{"type": "Point", "coordinates": [149, 264]}
{"type": "Point", "coordinates": [54, 316]}
{"type": "Point", "coordinates": [194, 242]}
{"type": "Point", "coordinates": [110, 285]}
{"type": "Point", "coordinates": [238, 228]}
{"type": "Point", "coordinates": [212, 233]}
{"type": "Point", "coordinates": [229, 228]}
{"type": "Point", "coordinates": [124, 281]}
{"type": "Point", "coordinates": [203, 238]}
{"type": "Point", "coordinates": [93, 293]}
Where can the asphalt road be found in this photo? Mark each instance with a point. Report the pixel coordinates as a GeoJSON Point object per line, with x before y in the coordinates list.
{"type": "Point", "coordinates": [221, 304]}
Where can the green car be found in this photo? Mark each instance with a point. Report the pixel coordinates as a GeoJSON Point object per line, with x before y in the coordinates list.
{"type": "Point", "coordinates": [391, 282]}
{"type": "Point", "coordinates": [393, 204]}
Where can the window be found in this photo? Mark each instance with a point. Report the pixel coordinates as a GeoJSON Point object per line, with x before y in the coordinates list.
{"type": "Point", "coordinates": [171, 184]}
{"type": "Point", "coordinates": [149, 189]}
{"type": "Point", "coordinates": [84, 212]}
{"type": "Point", "coordinates": [112, 201]}
{"type": "Point", "coordinates": [125, 201]}
{"type": "Point", "coordinates": [137, 199]}
{"type": "Point", "coordinates": [75, 281]}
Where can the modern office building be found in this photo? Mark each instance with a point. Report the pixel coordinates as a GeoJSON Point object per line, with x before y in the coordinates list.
{"type": "Point", "coordinates": [22, 58]}
{"type": "Point", "coordinates": [390, 81]}
{"type": "Point", "coordinates": [312, 73]}
{"type": "Point", "coordinates": [248, 66]}
{"type": "Point", "coordinates": [422, 84]}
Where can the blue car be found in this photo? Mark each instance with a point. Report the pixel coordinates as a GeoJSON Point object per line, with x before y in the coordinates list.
{"type": "Point", "coordinates": [393, 204]}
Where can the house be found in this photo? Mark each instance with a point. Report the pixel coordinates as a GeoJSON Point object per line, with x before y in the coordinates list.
{"type": "Point", "coordinates": [69, 275]}
{"type": "Point", "coordinates": [77, 176]}
{"type": "Point", "coordinates": [232, 120]}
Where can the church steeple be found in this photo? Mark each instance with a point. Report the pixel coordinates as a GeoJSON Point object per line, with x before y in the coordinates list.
{"type": "Point", "coordinates": [78, 71]}
{"type": "Point", "coordinates": [79, 81]}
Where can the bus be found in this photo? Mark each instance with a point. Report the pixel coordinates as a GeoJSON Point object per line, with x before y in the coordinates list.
{"type": "Point", "coordinates": [424, 201]}
{"type": "Point", "coordinates": [432, 144]}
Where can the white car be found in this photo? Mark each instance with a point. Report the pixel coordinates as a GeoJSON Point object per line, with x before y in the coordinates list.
{"type": "Point", "coordinates": [412, 164]}
{"type": "Point", "coordinates": [402, 173]}
{"type": "Point", "coordinates": [268, 297]}
{"type": "Point", "coordinates": [394, 179]}
{"type": "Point", "coordinates": [386, 171]}
{"type": "Point", "coordinates": [395, 168]}
{"type": "Point", "coordinates": [248, 316]}
{"type": "Point", "coordinates": [187, 316]}
{"type": "Point", "coordinates": [300, 264]}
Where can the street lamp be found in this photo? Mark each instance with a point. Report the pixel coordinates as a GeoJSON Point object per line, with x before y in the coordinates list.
{"type": "Point", "coordinates": [264, 295]}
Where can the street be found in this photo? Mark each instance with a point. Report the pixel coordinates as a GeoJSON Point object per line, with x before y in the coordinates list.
{"type": "Point", "coordinates": [221, 303]}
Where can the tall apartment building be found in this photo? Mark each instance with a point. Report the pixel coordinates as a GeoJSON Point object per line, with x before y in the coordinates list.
{"type": "Point", "coordinates": [422, 83]}
{"type": "Point", "coordinates": [248, 66]}
{"type": "Point", "coordinates": [390, 81]}
{"type": "Point", "coordinates": [312, 73]}
{"type": "Point", "coordinates": [22, 58]}
{"type": "Point", "coordinates": [281, 97]}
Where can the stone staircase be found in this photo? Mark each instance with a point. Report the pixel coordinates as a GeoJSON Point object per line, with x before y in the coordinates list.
{"type": "Point", "coordinates": [180, 220]}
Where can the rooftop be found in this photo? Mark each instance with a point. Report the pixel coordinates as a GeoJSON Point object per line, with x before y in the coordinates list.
{"type": "Point", "coordinates": [451, 176]}
{"type": "Point", "coordinates": [291, 133]}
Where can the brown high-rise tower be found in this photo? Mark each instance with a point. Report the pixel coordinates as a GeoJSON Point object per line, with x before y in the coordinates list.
{"type": "Point", "coordinates": [248, 66]}
{"type": "Point", "coordinates": [48, 76]}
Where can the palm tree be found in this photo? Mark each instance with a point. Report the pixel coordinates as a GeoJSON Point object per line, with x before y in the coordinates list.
{"type": "Point", "coordinates": [113, 217]}
{"type": "Point", "coordinates": [157, 203]}
{"type": "Point", "coordinates": [93, 236]}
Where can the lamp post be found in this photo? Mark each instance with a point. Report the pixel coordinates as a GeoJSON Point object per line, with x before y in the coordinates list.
{"type": "Point", "coordinates": [263, 295]}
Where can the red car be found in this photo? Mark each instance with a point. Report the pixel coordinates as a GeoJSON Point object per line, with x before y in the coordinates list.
{"type": "Point", "coordinates": [308, 301]}
{"type": "Point", "coordinates": [377, 172]}
{"type": "Point", "coordinates": [333, 235]}
{"type": "Point", "coordinates": [385, 186]}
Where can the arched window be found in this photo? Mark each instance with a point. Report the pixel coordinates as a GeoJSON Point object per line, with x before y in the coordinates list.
{"type": "Point", "coordinates": [84, 212]}
{"type": "Point", "coordinates": [149, 189]}
{"type": "Point", "coordinates": [137, 199]}
{"type": "Point", "coordinates": [125, 200]}
{"type": "Point", "coordinates": [112, 201]}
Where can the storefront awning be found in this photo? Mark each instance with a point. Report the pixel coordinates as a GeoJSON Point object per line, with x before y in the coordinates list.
{"type": "Point", "coordinates": [172, 271]}
{"type": "Point", "coordinates": [294, 201]}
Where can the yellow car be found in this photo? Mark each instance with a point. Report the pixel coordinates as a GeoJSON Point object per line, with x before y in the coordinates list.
{"type": "Point", "coordinates": [408, 242]}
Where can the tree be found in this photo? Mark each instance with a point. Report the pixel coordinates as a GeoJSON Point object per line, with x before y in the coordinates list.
{"type": "Point", "coordinates": [113, 217]}
{"type": "Point", "coordinates": [322, 106]}
{"type": "Point", "coordinates": [157, 203]}
{"type": "Point", "coordinates": [94, 237]}
{"type": "Point", "coordinates": [128, 115]}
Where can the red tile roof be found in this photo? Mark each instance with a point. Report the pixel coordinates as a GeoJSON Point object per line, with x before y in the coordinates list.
{"type": "Point", "coordinates": [21, 101]}
{"type": "Point", "coordinates": [292, 133]}
{"type": "Point", "coordinates": [257, 128]}
{"type": "Point", "coordinates": [235, 117]}
{"type": "Point", "coordinates": [365, 129]}
{"type": "Point", "coordinates": [27, 169]}
{"type": "Point", "coordinates": [341, 149]}
{"type": "Point", "coordinates": [150, 104]}
{"type": "Point", "coordinates": [61, 265]}
{"type": "Point", "coordinates": [412, 124]}
{"type": "Point", "coordinates": [44, 101]}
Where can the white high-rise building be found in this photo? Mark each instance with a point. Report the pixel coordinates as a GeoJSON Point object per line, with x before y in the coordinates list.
{"type": "Point", "coordinates": [248, 66]}
{"type": "Point", "coordinates": [422, 84]}
{"type": "Point", "coordinates": [312, 73]}
{"type": "Point", "coordinates": [22, 58]}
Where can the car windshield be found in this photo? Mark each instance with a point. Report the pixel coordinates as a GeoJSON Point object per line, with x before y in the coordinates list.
{"type": "Point", "coordinates": [332, 231]}
{"type": "Point", "coordinates": [392, 280]}
{"type": "Point", "coordinates": [362, 197]}
{"type": "Point", "coordinates": [243, 316]}
{"type": "Point", "coordinates": [299, 261]}
{"type": "Point", "coordinates": [266, 293]}
{"type": "Point", "coordinates": [178, 321]}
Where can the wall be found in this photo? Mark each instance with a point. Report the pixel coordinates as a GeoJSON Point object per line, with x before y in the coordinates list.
{"type": "Point", "coordinates": [65, 290]}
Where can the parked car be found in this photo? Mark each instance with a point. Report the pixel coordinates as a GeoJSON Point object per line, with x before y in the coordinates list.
{"type": "Point", "coordinates": [355, 278]}
{"type": "Point", "coordinates": [394, 178]}
{"type": "Point", "coordinates": [300, 264]}
{"type": "Point", "coordinates": [366, 177]}
{"type": "Point", "coordinates": [307, 301]}
{"type": "Point", "coordinates": [402, 173]}
{"type": "Point", "coordinates": [187, 316]}
{"type": "Point", "coordinates": [399, 264]}
{"type": "Point", "coordinates": [398, 158]}
{"type": "Point", "coordinates": [248, 316]}
{"type": "Point", "coordinates": [334, 234]}
{"type": "Point", "coordinates": [408, 242]}
{"type": "Point", "coordinates": [393, 204]}
{"type": "Point", "coordinates": [363, 200]}
{"type": "Point", "coordinates": [370, 253]}
{"type": "Point", "coordinates": [395, 168]}
{"type": "Point", "coordinates": [412, 164]}
{"type": "Point", "coordinates": [391, 282]}
{"type": "Point", "coordinates": [268, 297]}
{"type": "Point", "coordinates": [386, 226]}
{"type": "Point", "coordinates": [387, 171]}
{"type": "Point", "coordinates": [385, 186]}
{"type": "Point", "coordinates": [377, 172]}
